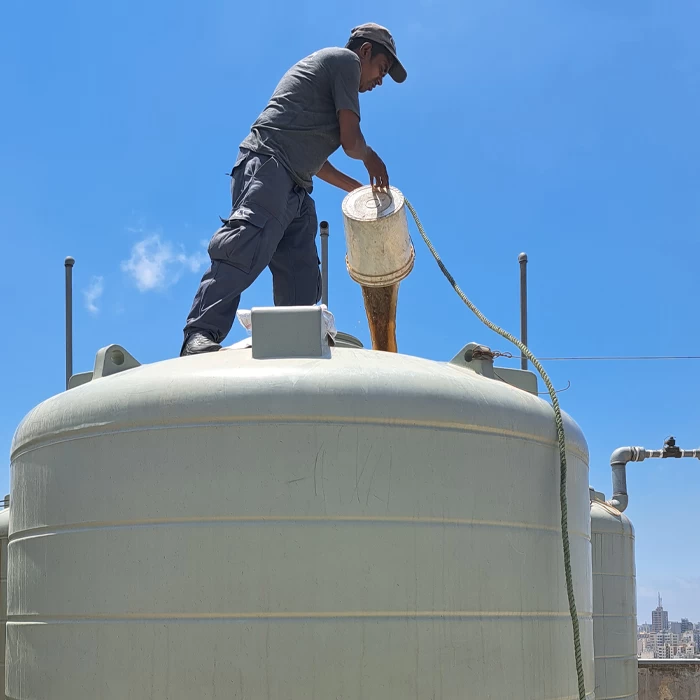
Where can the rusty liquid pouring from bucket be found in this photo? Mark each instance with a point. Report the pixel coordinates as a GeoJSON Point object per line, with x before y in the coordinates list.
{"type": "Point", "coordinates": [379, 256]}
{"type": "Point", "coordinates": [380, 307]}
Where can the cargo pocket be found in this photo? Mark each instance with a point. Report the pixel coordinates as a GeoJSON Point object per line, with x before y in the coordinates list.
{"type": "Point", "coordinates": [238, 241]}
{"type": "Point", "coordinates": [267, 188]}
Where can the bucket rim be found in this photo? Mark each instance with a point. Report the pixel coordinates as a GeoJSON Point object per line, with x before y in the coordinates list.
{"type": "Point", "coordinates": [386, 280]}
{"type": "Point", "coordinates": [397, 195]}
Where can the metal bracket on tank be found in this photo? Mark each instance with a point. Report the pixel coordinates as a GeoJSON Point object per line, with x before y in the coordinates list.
{"type": "Point", "coordinates": [110, 360]}
{"type": "Point", "coordinates": [479, 358]}
{"type": "Point", "coordinates": [79, 379]}
{"type": "Point", "coordinates": [596, 496]}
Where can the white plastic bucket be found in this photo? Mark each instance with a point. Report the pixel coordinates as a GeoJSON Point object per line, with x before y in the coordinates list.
{"type": "Point", "coordinates": [379, 248]}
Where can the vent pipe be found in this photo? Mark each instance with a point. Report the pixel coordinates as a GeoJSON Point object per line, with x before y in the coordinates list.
{"type": "Point", "coordinates": [522, 259]}
{"type": "Point", "coordinates": [324, 262]}
{"type": "Point", "coordinates": [69, 262]}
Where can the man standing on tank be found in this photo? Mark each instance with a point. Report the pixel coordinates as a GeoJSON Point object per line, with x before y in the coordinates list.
{"type": "Point", "coordinates": [314, 110]}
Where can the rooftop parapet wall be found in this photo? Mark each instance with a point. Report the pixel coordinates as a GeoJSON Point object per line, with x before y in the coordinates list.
{"type": "Point", "coordinates": [674, 679]}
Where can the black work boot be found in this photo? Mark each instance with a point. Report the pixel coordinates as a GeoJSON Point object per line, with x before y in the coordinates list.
{"type": "Point", "coordinates": [198, 342]}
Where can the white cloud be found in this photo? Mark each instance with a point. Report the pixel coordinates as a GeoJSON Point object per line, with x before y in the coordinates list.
{"type": "Point", "coordinates": [93, 293]}
{"type": "Point", "coordinates": [646, 592]}
{"type": "Point", "coordinates": [157, 264]}
{"type": "Point", "coordinates": [688, 584]}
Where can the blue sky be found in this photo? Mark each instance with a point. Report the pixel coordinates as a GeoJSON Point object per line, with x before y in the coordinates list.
{"type": "Point", "coordinates": [569, 130]}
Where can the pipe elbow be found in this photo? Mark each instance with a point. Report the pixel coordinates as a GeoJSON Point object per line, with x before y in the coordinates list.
{"type": "Point", "coordinates": [623, 455]}
{"type": "Point", "coordinates": [619, 501]}
{"type": "Point", "coordinates": [618, 462]}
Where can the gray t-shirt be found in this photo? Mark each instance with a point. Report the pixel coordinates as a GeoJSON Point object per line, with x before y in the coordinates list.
{"type": "Point", "coordinates": [300, 125]}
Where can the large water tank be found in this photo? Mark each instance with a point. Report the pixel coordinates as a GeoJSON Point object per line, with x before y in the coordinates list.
{"type": "Point", "coordinates": [4, 531]}
{"type": "Point", "coordinates": [614, 602]}
{"type": "Point", "coordinates": [294, 522]}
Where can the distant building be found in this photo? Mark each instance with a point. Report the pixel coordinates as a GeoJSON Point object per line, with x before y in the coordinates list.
{"type": "Point", "coordinates": [665, 645]}
{"type": "Point", "coordinates": [646, 645]}
{"type": "Point", "coordinates": [668, 640]}
{"type": "Point", "coordinates": [686, 646]}
{"type": "Point", "coordinates": [685, 651]}
{"type": "Point", "coordinates": [659, 619]}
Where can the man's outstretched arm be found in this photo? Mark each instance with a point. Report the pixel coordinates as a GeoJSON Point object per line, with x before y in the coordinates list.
{"type": "Point", "coordinates": [354, 145]}
{"type": "Point", "coordinates": [334, 177]}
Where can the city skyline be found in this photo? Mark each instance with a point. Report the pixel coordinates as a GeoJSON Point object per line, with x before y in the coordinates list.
{"type": "Point", "coordinates": [667, 639]}
{"type": "Point", "coordinates": [660, 605]}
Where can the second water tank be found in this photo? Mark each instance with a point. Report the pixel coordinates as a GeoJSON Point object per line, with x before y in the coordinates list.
{"type": "Point", "coordinates": [614, 602]}
{"type": "Point", "coordinates": [4, 533]}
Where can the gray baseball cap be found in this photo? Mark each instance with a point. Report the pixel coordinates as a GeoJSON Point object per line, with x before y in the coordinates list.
{"type": "Point", "coordinates": [381, 35]}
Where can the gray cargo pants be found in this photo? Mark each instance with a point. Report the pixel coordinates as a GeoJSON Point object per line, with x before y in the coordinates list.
{"type": "Point", "coordinates": [272, 223]}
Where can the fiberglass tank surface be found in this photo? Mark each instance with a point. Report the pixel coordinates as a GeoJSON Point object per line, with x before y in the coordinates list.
{"type": "Point", "coordinates": [614, 603]}
{"type": "Point", "coordinates": [4, 530]}
{"type": "Point", "coordinates": [367, 525]}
